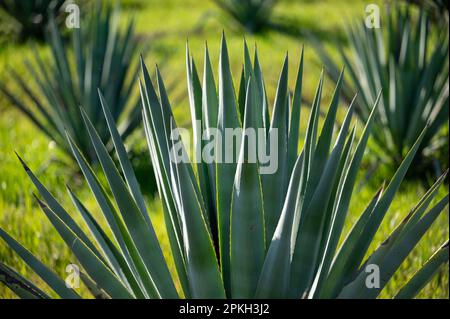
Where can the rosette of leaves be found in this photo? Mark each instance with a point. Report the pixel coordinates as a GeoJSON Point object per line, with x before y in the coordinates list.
{"type": "Point", "coordinates": [233, 231]}
{"type": "Point", "coordinates": [31, 16]}
{"type": "Point", "coordinates": [99, 55]}
{"type": "Point", "coordinates": [406, 59]}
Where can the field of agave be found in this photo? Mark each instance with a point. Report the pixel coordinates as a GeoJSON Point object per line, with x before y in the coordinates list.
{"type": "Point", "coordinates": [114, 173]}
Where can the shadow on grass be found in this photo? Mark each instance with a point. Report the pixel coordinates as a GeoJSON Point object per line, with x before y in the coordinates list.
{"type": "Point", "coordinates": [305, 29]}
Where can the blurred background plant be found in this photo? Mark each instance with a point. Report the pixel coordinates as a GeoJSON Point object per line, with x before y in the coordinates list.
{"type": "Point", "coordinates": [439, 9]}
{"type": "Point", "coordinates": [29, 17]}
{"type": "Point", "coordinates": [99, 55]}
{"type": "Point", "coordinates": [252, 15]}
{"type": "Point", "coordinates": [408, 60]}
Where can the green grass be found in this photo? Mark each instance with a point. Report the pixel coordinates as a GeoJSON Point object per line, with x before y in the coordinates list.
{"type": "Point", "coordinates": [166, 24]}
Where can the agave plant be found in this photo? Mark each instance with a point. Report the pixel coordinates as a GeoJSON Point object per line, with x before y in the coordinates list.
{"type": "Point", "coordinates": [31, 15]}
{"type": "Point", "coordinates": [439, 8]}
{"type": "Point", "coordinates": [101, 57]}
{"type": "Point", "coordinates": [412, 70]}
{"type": "Point", "coordinates": [252, 15]}
{"type": "Point", "coordinates": [233, 231]}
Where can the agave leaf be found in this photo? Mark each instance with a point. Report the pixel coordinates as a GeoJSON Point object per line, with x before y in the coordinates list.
{"type": "Point", "coordinates": [416, 214]}
{"type": "Point", "coordinates": [389, 256]}
{"type": "Point", "coordinates": [125, 163]}
{"type": "Point", "coordinates": [142, 233]}
{"type": "Point", "coordinates": [157, 128]}
{"type": "Point", "coordinates": [52, 126]}
{"type": "Point", "coordinates": [58, 209]}
{"type": "Point", "coordinates": [248, 72]}
{"type": "Point", "coordinates": [273, 197]}
{"type": "Point", "coordinates": [369, 228]}
{"type": "Point", "coordinates": [22, 287]}
{"type": "Point", "coordinates": [36, 121]}
{"type": "Point", "coordinates": [343, 201]}
{"type": "Point", "coordinates": [324, 142]}
{"type": "Point", "coordinates": [306, 261]}
{"type": "Point", "coordinates": [228, 118]}
{"type": "Point", "coordinates": [47, 275]}
{"type": "Point", "coordinates": [257, 119]}
{"type": "Point", "coordinates": [115, 223]}
{"type": "Point", "coordinates": [308, 151]}
{"type": "Point", "coordinates": [195, 101]}
{"type": "Point", "coordinates": [262, 92]}
{"type": "Point", "coordinates": [431, 72]}
{"type": "Point", "coordinates": [210, 107]}
{"type": "Point", "coordinates": [210, 101]}
{"type": "Point", "coordinates": [321, 150]}
{"type": "Point", "coordinates": [409, 239]}
{"type": "Point", "coordinates": [247, 211]}
{"type": "Point", "coordinates": [339, 271]}
{"type": "Point", "coordinates": [174, 194]}
{"type": "Point", "coordinates": [205, 192]}
{"type": "Point", "coordinates": [115, 259]}
{"type": "Point", "coordinates": [201, 264]}
{"type": "Point", "coordinates": [47, 88]}
{"type": "Point", "coordinates": [330, 217]}
{"type": "Point", "coordinates": [275, 275]}
{"type": "Point", "coordinates": [242, 94]}
{"type": "Point", "coordinates": [425, 274]}
{"type": "Point", "coordinates": [157, 120]}
{"type": "Point", "coordinates": [62, 63]}
{"type": "Point", "coordinates": [170, 214]}
{"type": "Point", "coordinates": [310, 141]}
{"type": "Point", "coordinates": [94, 266]}
{"type": "Point", "coordinates": [294, 125]}
{"type": "Point", "coordinates": [202, 167]}
{"type": "Point", "coordinates": [94, 289]}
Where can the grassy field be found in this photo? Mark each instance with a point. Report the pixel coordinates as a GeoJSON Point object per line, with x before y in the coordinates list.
{"type": "Point", "coordinates": [166, 25]}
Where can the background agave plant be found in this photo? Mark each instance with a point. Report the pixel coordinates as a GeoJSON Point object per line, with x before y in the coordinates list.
{"type": "Point", "coordinates": [438, 8]}
{"type": "Point", "coordinates": [31, 15]}
{"type": "Point", "coordinates": [410, 68]}
{"type": "Point", "coordinates": [252, 15]}
{"type": "Point", "coordinates": [101, 57]}
{"type": "Point", "coordinates": [234, 232]}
